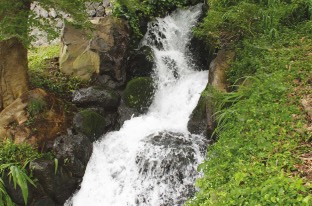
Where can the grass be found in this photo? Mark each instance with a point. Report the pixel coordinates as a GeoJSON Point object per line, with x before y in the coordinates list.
{"type": "Point", "coordinates": [262, 127]}
{"type": "Point", "coordinates": [44, 72]}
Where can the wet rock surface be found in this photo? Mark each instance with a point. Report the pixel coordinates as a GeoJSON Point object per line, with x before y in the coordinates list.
{"type": "Point", "coordinates": [96, 96]}
{"type": "Point", "coordinates": [58, 179]}
{"type": "Point", "coordinates": [57, 185]}
{"type": "Point", "coordinates": [73, 152]}
{"type": "Point", "coordinates": [141, 63]}
{"type": "Point", "coordinates": [93, 124]}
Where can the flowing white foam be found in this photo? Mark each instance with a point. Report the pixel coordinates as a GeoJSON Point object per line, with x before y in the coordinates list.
{"type": "Point", "coordinates": [128, 167]}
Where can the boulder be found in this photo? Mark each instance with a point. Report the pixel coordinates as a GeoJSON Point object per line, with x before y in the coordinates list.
{"type": "Point", "coordinates": [139, 93]}
{"type": "Point", "coordinates": [125, 113]}
{"type": "Point", "coordinates": [44, 201]}
{"type": "Point", "coordinates": [198, 120]}
{"type": "Point", "coordinates": [96, 96]}
{"type": "Point", "coordinates": [141, 63]}
{"type": "Point", "coordinates": [202, 120]}
{"type": "Point", "coordinates": [104, 53]}
{"type": "Point", "coordinates": [57, 182]}
{"type": "Point", "coordinates": [91, 124]}
{"type": "Point", "coordinates": [73, 153]}
{"type": "Point", "coordinates": [75, 58]}
{"type": "Point", "coordinates": [107, 82]}
{"type": "Point", "coordinates": [218, 68]}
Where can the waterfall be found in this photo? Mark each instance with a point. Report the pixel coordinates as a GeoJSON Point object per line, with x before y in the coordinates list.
{"type": "Point", "coordinates": [152, 159]}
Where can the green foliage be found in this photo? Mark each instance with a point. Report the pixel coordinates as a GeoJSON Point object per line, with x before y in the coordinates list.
{"type": "Point", "coordinates": [228, 21]}
{"type": "Point", "coordinates": [13, 161]}
{"type": "Point", "coordinates": [38, 56]}
{"type": "Point", "coordinates": [44, 71]}
{"type": "Point", "coordinates": [36, 106]}
{"type": "Point", "coordinates": [137, 10]}
{"type": "Point", "coordinates": [252, 162]}
{"type": "Point", "coordinates": [139, 93]}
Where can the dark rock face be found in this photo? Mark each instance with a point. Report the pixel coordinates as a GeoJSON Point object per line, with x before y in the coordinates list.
{"type": "Point", "coordinates": [172, 166]}
{"type": "Point", "coordinates": [58, 186]}
{"type": "Point", "coordinates": [141, 63]}
{"type": "Point", "coordinates": [198, 122]}
{"type": "Point", "coordinates": [58, 181]}
{"type": "Point", "coordinates": [73, 152]}
{"type": "Point", "coordinates": [93, 96]}
{"type": "Point", "coordinates": [16, 193]}
{"type": "Point", "coordinates": [201, 54]}
{"type": "Point", "coordinates": [125, 113]}
{"type": "Point", "coordinates": [44, 201]}
{"type": "Point", "coordinates": [93, 124]}
{"type": "Point", "coordinates": [107, 82]}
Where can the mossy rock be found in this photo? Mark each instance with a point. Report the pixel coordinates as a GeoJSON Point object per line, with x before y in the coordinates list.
{"type": "Point", "coordinates": [90, 123]}
{"type": "Point", "coordinates": [139, 93]}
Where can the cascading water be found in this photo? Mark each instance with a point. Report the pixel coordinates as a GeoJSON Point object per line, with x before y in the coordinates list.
{"type": "Point", "coordinates": [152, 159]}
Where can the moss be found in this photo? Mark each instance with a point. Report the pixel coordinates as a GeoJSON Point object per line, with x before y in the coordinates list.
{"type": "Point", "coordinates": [139, 93]}
{"type": "Point", "coordinates": [90, 123]}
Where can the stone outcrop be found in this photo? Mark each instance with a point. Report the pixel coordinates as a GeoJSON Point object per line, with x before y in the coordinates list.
{"type": "Point", "coordinates": [202, 120]}
{"type": "Point", "coordinates": [218, 68]}
{"type": "Point", "coordinates": [104, 54]}
{"type": "Point", "coordinates": [96, 96]}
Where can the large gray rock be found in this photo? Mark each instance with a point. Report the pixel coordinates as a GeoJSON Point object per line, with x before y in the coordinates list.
{"type": "Point", "coordinates": [73, 153]}
{"type": "Point", "coordinates": [93, 124]}
{"type": "Point", "coordinates": [104, 53]}
{"type": "Point", "coordinates": [59, 185]}
{"type": "Point", "coordinates": [141, 63]}
{"type": "Point", "coordinates": [93, 96]}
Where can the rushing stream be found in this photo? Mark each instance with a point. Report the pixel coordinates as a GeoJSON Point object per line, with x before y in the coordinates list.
{"type": "Point", "coordinates": [152, 159]}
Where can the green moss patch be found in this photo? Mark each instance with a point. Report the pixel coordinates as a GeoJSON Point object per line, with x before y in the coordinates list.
{"type": "Point", "coordinates": [139, 93]}
{"type": "Point", "coordinates": [90, 123]}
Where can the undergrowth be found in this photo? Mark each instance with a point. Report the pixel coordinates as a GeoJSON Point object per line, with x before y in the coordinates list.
{"type": "Point", "coordinates": [14, 160]}
{"type": "Point", "coordinates": [44, 72]}
{"type": "Point", "coordinates": [262, 129]}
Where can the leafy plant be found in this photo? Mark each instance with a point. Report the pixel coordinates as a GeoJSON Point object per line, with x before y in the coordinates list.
{"type": "Point", "coordinates": [13, 162]}
{"type": "Point", "coordinates": [35, 106]}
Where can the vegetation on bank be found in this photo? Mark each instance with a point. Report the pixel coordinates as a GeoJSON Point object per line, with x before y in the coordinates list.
{"type": "Point", "coordinates": [44, 72]}
{"type": "Point", "coordinates": [139, 12]}
{"type": "Point", "coordinates": [14, 160]}
{"type": "Point", "coordinates": [262, 131]}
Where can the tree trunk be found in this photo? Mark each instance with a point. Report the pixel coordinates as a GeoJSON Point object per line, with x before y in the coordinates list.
{"type": "Point", "coordinates": [13, 71]}
{"type": "Point", "coordinates": [13, 53]}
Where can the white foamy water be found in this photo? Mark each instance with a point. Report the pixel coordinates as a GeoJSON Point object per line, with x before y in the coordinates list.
{"type": "Point", "coordinates": [152, 159]}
